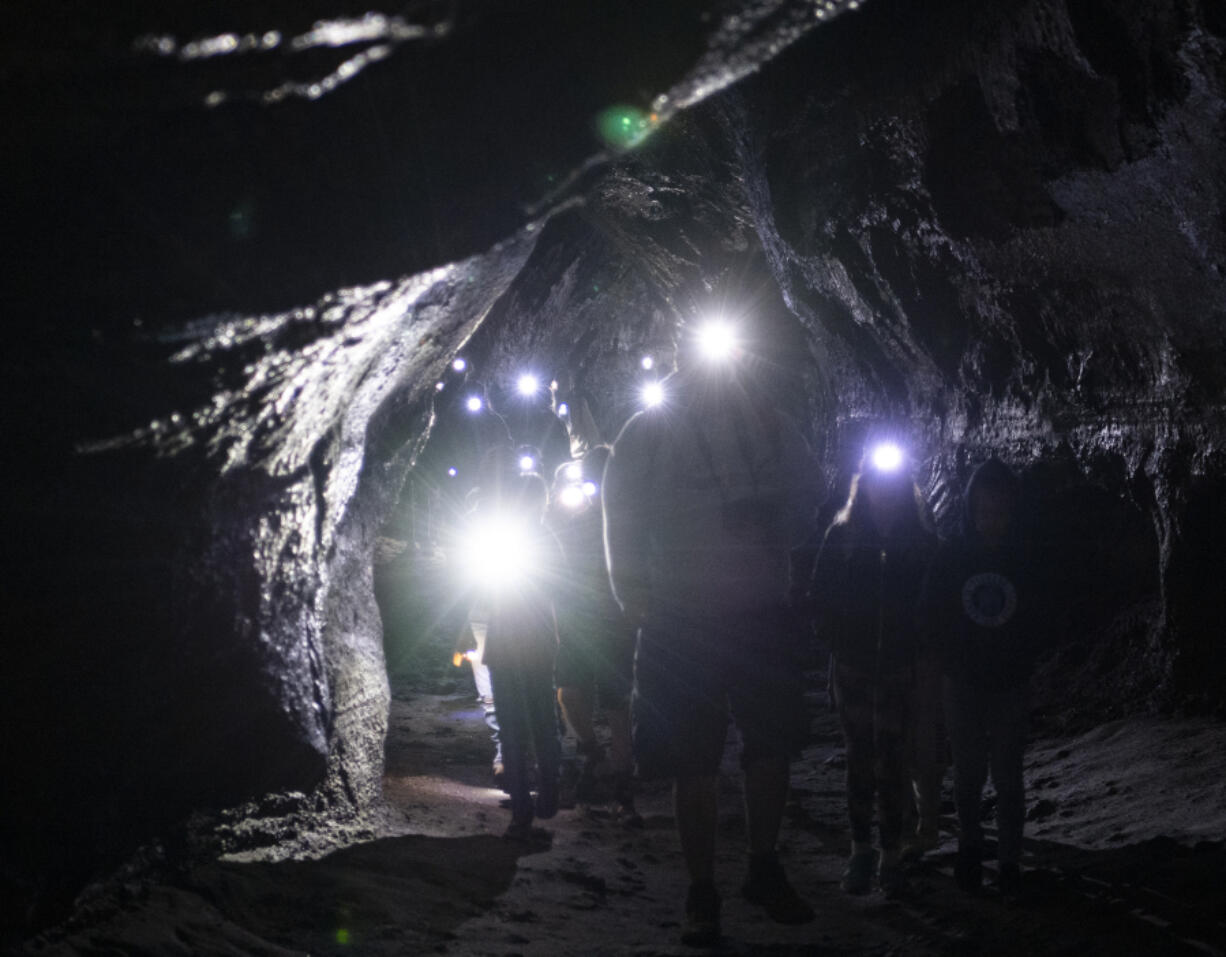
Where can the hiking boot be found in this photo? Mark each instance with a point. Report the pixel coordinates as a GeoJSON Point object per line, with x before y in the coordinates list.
{"type": "Point", "coordinates": [1009, 882]}
{"type": "Point", "coordinates": [858, 878]}
{"type": "Point", "coordinates": [768, 886]}
{"type": "Point", "coordinates": [968, 869]}
{"type": "Point", "coordinates": [701, 927]}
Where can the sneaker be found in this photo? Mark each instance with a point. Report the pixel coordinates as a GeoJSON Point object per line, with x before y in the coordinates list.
{"type": "Point", "coordinates": [767, 885]}
{"type": "Point", "coordinates": [1009, 881]}
{"type": "Point", "coordinates": [858, 878]}
{"type": "Point", "coordinates": [968, 869]}
{"type": "Point", "coordinates": [701, 928]}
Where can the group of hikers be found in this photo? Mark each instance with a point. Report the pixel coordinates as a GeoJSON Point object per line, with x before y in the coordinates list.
{"type": "Point", "coordinates": [677, 579]}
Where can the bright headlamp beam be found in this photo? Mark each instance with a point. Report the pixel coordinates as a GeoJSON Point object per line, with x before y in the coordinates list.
{"type": "Point", "coordinates": [563, 409]}
{"type": "Point", "coordinates": [473, 404]}
{"type": "Point", "coordinates": [498, 553]}
{"type": "Point", "coordinates": [460, 364]}
{"type": "Point", "coordinates": [886, 457]}
{"type": "Point", "coordinates": [526, 463]}
{"type": "Point", "coordinates": [648, 363]}
{"type": "Point", "coordinates": [573, 471]}
{"type": "Point", "coordinates": [589, 488]}
{"type": "Point", "coordinates": [653, 394]}
{"type": "Point", "coordinates": [528, 385]}
{"type": "Point", "coordinates": [716, 341]}
{"type": "Point", "coordinates": [571, 496]}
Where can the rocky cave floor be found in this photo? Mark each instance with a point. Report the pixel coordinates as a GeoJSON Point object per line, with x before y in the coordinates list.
{"type": "Point", "coordinates": [1124, 855]}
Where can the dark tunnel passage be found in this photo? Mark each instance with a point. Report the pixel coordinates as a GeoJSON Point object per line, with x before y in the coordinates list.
{"type": "Point", "coordinates": [248, 241]}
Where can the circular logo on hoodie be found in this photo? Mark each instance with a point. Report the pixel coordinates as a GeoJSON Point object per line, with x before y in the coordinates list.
{"type": "Point", "coordinates": [989, 599]}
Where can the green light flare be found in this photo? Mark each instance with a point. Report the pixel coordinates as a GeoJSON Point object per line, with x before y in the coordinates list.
{"type": "Point", "coordinates": [624, 127]}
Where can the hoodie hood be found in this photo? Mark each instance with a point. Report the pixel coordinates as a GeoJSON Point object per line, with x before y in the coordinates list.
{"type": "Point", "coordinates": [994, 474]}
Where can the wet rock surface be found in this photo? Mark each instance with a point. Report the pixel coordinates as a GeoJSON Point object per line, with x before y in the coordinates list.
{"type": "Point", "coordinates": [999, 225]}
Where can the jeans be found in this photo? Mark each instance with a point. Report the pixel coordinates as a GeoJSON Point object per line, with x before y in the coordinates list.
{"type": "Point", "coordinates": [987, 729]}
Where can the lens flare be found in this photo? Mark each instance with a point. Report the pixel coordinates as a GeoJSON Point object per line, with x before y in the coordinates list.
{"type": "Point", "coordinates": [886, 457]}
{"type": "Point", "coordinates": [474, 403]}
{"type": "Point", "coordinates": [653, 394]}
{"type": "Point", "coordinates": [623, 127]}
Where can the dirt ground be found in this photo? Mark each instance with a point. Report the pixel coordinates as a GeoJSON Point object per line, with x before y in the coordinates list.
{"type": "Point", "coordinates": [1124, 855]}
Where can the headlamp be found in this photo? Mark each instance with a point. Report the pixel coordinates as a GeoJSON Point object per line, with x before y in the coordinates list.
{"type": "Point", "coordinates": [886, 457]}
{"type": "Point", "coordinates": [653, 394]}
{"type": "Point", "coordinates": [439, 386]}
{"type": "Point", "coordinates": [453, 471]}
{"type": "Point", "coordinates": [528, 385]}
{"type": "Point", "coordinates": [648, 363]}
{"type": "Point", "coordinates": [716, 341]}
{"type": "Point", "coordinates": [460, 364]}
{"type": "Point", "coordinates": [573, 471]}
{"type": "Point", "coordinates": [473, 403]}
{"type": "Point", "coordinates": [590, 488]}
{"type": "Point", "coordinates": [563, 409]}
{"type": "Point", "coordinates": [527, 463]}
{"type": "Point", "coordinates": [498, 552]}
{"type": "Point", "coordinates": [572, 497]}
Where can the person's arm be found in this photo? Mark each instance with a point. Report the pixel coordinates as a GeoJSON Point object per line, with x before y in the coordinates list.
{"type": "Point", "coordinates": [627, 502]}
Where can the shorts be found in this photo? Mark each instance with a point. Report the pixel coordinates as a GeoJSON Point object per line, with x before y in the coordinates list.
{"type": "Point", "coordinates": [597, 657]}
{"type": "Point", "coordinates": [688, 679]}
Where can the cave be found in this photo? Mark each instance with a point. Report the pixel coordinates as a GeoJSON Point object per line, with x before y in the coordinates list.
{"type": "Point", "coordinates": [246, 241]}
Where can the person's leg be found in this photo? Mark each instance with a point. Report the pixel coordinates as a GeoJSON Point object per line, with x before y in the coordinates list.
{"type": "Point", "coordinates": [968, 741]}
{"type": "Point", "coordinates": [766, 793]}
{"type": "Point", "coordinates": [1008, 719]}
{"type": "Point", "coordinates": [578, 709]}
{"type": "Point", "coordinates": [544, 739]}
{"type": "Point", "coordinates": [696, 806]}
{"type": "Point", "coordinates": [511, 704]}
{"type": "Point", "coordinates": [853, 695]}
{"type": "Point", "coordinates": [927, 732]}
{"type": "Point", "coordinates": [485, 691]}
{"type": "Point", "coordinates": [890, 712]}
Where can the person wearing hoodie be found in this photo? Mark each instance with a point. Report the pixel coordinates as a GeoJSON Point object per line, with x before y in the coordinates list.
{"type": "Point", "coordinates": [981, 607]}
{"type": "Point", "coordinates": [864, 594]}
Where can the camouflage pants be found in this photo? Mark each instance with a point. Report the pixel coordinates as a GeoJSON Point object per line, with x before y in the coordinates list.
{"type": "Point", "coordinates": [874, 715]}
